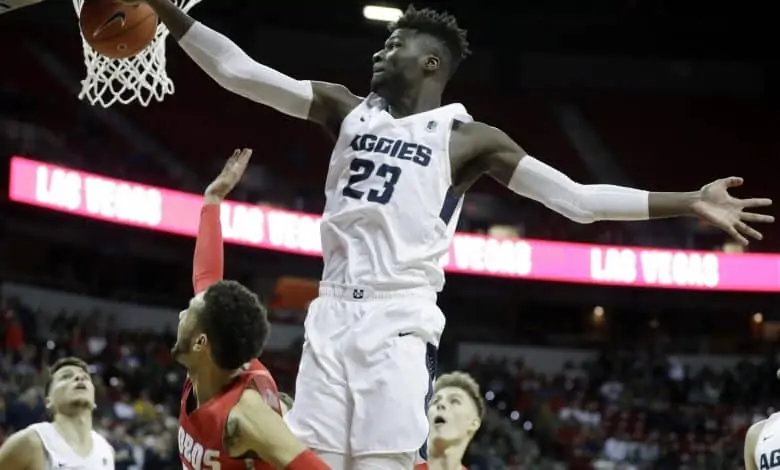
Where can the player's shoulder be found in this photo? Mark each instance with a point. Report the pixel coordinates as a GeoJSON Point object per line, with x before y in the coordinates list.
{"type": "Point", "coordinates": [751, 437]}
{"type": "Point", "coordinates": [457, 112]}
{"type": "Point", "coordinates": [262, 387]}
{"type": "Point", "coordinates": [23, 447]}
{"type": "Point", "coordinates": [472, 128]}
{"type": "Point", "coordinates": [474, 139]}
{"type": "Point", "coordinates": [29, 435]}
{"type": "Point", "coordinates": [255, 366]}
{"type": "Point", "coordinates": [755, 429]}
{"type": "Point", "coordinates": [253, 405]}
{"type": "Point", "coordinates": [32, 434]}
{"type": "Point", "coordinates": [101, 439]}
{"type": "Point", "coordinates": [331, 103]}
{"type": "Point", "coordinates": [335, 92]}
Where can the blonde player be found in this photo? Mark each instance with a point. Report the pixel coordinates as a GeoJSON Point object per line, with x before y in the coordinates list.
{"type": "Point", "coordinates": [455, 415]}
{"type": "Point", "coordinates": [68, 442]}
{"type": "Point", "coordinates": [398, 172]}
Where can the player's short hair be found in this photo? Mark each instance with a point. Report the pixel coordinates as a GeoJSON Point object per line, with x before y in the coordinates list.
{"type": "Point", "coordinates": [236, 323]}
{"type": "Point", "coordinates": [466, 383]}
{"type": "Point", "coordinates": [442, 26]}
{"type": "Point", "coordinates": [59, 364]}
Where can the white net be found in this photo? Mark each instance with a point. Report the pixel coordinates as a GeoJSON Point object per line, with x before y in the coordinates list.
{"type": "Point", "coordinates": [139, 79]}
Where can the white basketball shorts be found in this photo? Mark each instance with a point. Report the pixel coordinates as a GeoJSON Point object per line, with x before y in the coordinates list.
{"type": "Point", "coordinates": [366, 374]}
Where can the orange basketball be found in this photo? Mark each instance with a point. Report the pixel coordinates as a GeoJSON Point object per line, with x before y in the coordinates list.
{"type": "Point", "coordinates": [115, 29]}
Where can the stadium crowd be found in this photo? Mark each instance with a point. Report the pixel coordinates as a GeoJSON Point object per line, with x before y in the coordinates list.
{"type": "Point", "coordinates": [622, 411]}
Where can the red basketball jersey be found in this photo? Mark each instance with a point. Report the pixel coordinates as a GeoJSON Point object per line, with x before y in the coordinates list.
{"type": "Point", "coordinates": [201, 431]}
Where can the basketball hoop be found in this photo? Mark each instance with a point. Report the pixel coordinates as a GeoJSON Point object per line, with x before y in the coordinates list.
{"type": "Point", "coordinates": [138, 79]}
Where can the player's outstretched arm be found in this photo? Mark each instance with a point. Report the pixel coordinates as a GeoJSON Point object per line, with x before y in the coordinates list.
{"type": "Point", "coordinates": [751, 438]}
{"type": "Point", "coordinates": [208, 262]}
{"type": "Point", "coordinates": [485, 149]}
{"type": "Point", "coordinates": [254, 428]}
{"type": "Point", "coordinates": [22, 451]}
{"type": "Point", "coordinates": [234, 70]}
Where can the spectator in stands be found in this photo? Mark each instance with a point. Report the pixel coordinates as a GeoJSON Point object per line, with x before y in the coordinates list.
{"type": "Point", "coordinates": [28, 409]}
{"type": "Point", "coordinates": [124, 456]}
{"type": "Point", "coordinates": [13, 340]}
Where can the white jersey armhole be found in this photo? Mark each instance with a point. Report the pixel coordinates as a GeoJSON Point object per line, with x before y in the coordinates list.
{"type": "Point", "coordinates": [44, 432]}
{"type": "Point", "coordinates": [460, 115]}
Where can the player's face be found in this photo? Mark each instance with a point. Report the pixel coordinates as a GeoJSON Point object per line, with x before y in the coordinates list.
{"type": "Point", "coordinates": [400, 63]}
{"type": "Point", "coordinates": [190, 341]}
{"type": "Point", "coordinates": [71, 388]}
{"type": "Point", "coordinates": [452, 416]}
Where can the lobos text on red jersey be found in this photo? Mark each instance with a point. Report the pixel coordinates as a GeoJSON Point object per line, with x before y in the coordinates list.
{"type": "Point", "coordinates": [200, 431]}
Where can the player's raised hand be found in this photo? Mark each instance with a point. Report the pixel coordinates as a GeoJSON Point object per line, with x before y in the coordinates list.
{"type": "Point", "coordinates": [730, 214]}
{"type": "Point", "coordinates": [229, 177]}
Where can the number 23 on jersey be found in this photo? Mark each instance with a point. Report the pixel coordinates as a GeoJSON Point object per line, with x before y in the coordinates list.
{"type": "Point", "coordinates": [363, 169]}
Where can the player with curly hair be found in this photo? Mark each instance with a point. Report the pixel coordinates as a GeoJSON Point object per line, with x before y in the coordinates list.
{"type": "Point", "coordinates": [230, 417]}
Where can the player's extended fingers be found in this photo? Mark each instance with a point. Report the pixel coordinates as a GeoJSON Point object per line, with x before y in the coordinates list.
{"type": "Point", "coordinates": [746, 229]}
{"type": "Point", "coordinates": [245, 154]}
{"type": "Point", "coordinates": [231, 160]}
{"type": "Point", "coordinates": [756, 202]}
{"type": "Point", "coordinates": [238, 161]}
{"type": "Point", "coordinates": [731, 230]}
{"type": "Point", "coordinates": [756, 218]}
{"type": "Point", "coordinates": [242, 160]}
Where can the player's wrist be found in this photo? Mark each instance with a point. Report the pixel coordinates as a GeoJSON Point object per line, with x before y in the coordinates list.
{"type": "Point", "coordinates": [692, 202]}
{"type": "Point", "coordinates": [209, 198]}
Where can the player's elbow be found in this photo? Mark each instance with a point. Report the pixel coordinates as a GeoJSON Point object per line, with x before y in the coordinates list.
{"type": "Point", "coordinates": [576, 204]}
{"type": "Point", "coordinates": [231, 75]}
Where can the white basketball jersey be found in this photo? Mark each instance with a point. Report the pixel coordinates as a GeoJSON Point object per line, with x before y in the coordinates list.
{"type": "Point", "coordinates": [60, 456]}
{"type": "Point", "coordinates": [767, 453]}
{"type": "Point", "coordinates": [390, 212]}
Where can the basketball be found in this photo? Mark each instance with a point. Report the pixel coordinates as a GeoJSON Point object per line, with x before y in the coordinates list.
{"type": "Point", "coordinates": [117, 30]}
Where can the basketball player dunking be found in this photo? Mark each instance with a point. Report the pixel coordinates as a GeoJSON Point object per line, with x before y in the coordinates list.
{"type": "Point", "coordinates": [68, 441]}
{"type": "Point", "coordinates": [455, 415]}
{"type": "Point", "coordinates": [399, 169]}
{"type": "Point", "coordinates": [230, 414]}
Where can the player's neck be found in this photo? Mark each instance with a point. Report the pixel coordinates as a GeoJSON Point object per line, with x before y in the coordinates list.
{"type": "Point", "coordinates": [75, 428]}
{"type": "Point", "coordinates": [418, 99]}
{"type": "Point", "coordinates": [210, 381]}
{"type": "Point", "coordinates": [446, 458]}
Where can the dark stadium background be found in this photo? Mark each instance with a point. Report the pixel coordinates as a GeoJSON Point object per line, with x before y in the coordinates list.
{"type": "Point", "coordinates": [676, 93]}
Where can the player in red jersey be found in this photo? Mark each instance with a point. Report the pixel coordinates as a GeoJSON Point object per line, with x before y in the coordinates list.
{"type": "Point", "coordinates": [230, 412]}
{"type": "Point", "coordinates": [455, 415]}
